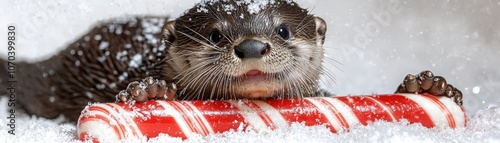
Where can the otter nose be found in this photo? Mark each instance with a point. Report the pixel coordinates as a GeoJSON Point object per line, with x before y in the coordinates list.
{"type": "Point", "coordinates": [251, 49]}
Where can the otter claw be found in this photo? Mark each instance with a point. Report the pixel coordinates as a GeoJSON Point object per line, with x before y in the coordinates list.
{"type": "Point", "coordinates": [167, 91]}
{"type": "Point", "coordinates": [148, 88]}
{"type": "Point", "coordinates": [458, 97]}
{"type": "Point", "coordinates": [411, 83]}
{"type": "Point", "coordinates": [172, 90]}
{"type": "Point", "coordinates": [151, 87]}
{"type": "Point", "coordinates": [137, 91]}
{"type": "Point", "coordinates": [122, 96]}
{"type": "Point", "coordinates": [426, 82]}
{"type": "Point", "coordinates": [163, 90]}
{"type": "Point", "coordinates": [426, 79]}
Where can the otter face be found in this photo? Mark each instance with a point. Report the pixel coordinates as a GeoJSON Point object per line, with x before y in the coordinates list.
{"type": "Point", "coordinates": [227, 50]}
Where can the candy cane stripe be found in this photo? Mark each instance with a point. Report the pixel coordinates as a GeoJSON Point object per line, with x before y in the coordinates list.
{"type": "Point", "coordinates": [186, 129]}
{"type": "Point", "coordinates": [343, 110]}
{"type": "Point", "coordinates": [272, 114]}
{"type": "Point", "coordinates": [186, 119]}
{"type": "Point", "coordinates": [386, 109]}
{"type": "Point", "coordinates": [251, 115]}
{"type": "Point", "coordinates": [329, 114]}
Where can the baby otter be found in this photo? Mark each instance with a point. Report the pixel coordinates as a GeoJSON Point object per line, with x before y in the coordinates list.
{"type": "Point", "coordinates": [216, 50]}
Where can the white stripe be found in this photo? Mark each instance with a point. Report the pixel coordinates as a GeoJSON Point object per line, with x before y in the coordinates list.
{"type": "Point", "coordinates": [344, 110]}
{"type": "Point", "coordinates": [100, 130]}
{"type": "Point", "coordinates": [433, 110]}
{"type": "Point", "coordinates": [250, 115]}
{"type": "Point", "coordinates": [116, 119]}
{"type": "Point", "coordinates": [201, 117]}
{"type": "Point", "coordinates": [169, 110]}
{"type": "Point", "coordinates": [111, 122]}
{"type": "Point", "coordinates": [128, 121]}
{"type": "Point", "coordinates": [188, 113]}
{"type": "Point", "coordinates": [273, 114]}
{"type": "Point", "coordinates": [328, 114]}
{"type": "Point", "coordinates": [455, 110]}
{"type": "Point", "coordinates": [385, 108]}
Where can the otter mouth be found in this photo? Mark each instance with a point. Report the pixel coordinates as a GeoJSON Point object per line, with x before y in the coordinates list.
{"type": "Point", "coordinates": [254, 75]}
{"type": "Point", "coordinates": [257, 84]}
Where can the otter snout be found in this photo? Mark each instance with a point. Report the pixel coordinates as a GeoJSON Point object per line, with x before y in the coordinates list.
{"type": "Point", "coordinates": [252, 48]}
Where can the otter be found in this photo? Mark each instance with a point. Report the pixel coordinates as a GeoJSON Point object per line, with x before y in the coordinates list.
{"type": "Point", "coordinates": [217, 50]}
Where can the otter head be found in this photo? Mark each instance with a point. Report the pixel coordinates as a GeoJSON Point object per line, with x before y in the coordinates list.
{"type": "Point", "coordinates": [228, 49]}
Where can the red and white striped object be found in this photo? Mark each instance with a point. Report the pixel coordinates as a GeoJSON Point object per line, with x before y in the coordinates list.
{"type": "Point", "coordinates": [116, 121]}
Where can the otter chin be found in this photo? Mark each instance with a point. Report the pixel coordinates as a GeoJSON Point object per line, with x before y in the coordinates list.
{"type": "Point", "coordinates": [256, 84]}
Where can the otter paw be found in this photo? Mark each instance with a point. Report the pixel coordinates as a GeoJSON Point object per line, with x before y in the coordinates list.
{"type": "Point", "coordinates": [148, 88]}
{"type": "Point", "coordinates": [426, 82]}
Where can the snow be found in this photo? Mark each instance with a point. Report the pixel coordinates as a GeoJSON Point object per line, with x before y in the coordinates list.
{"type": "Point", "coordinates": [136, 61]}
{"type": "Point", "coordinates": [253, 6]}
{"type": "Point", "coordinates": [484, 127]}
{"type": "Point", "coordinates": [371, 46]}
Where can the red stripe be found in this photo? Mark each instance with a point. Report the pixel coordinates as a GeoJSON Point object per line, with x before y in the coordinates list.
{"type": "Point", "coordinates": [151, 127]}
{"type": "Point", "coordinates": [444, 109]}
{"type": "Point", "coordinates": [85, 137]}
{"type": "Point", "coordinates": [262, 114]}
{"type": "Point", "coordinates": [335, 112]}
{"type": "Point", "coordinates": [222, 116]}
{"type": "Point", "coordinates": [403, 107]}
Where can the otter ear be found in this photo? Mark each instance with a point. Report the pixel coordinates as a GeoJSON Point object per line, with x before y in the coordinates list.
{"type": "Point", "coordinates": [168, 32]}
{"type": "Point", "coordinates": [320, 28]}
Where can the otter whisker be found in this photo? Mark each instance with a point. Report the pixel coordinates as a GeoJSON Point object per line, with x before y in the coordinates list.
{"type": "Point", "coordinates": [287, 86]}
{"type": "Point", "coordinates": [299, 28]}
{"type": "Point", "coordinates": [212, 74]}
{"type": "Point", "coordinates": [232, 89]}
{"type": "Point", "coordinates": [293, 85]}
{"type": "Point", "coordinates": [191, 72]}
{"type": "Point", "coordinates": [202, 42]}
{"type": "Point", "coordinates": [226, 83]}
{"type": "Point", "coordinates": [305, 78]}
{"type": "Point", "coordinates": [213, 92]}
{"type": "Point", "coordinates": [217, 73]}
{"type": "Point", "coordinates": [202, 84]}
{"type": "Point", "coordinates": [210, 53]}
{"type": "Point", "coordinates": [327, 71]}
{"type": "Point", "coordinates": [195, 79]}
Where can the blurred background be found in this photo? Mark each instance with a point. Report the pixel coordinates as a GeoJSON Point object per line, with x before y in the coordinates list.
{"type": "Point", "coordinates": [371, 44]}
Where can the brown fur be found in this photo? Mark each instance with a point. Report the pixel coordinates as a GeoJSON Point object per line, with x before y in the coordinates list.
{"type": "Point", "coordinates": [89, 71]}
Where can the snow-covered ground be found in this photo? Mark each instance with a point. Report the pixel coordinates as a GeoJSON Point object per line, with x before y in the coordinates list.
{"type": "Point", "coordinates": [376, 43]}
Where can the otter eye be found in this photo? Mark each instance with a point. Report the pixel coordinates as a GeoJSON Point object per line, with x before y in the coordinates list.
{"type": "Point", "coordinates": [215, 37]}
{"type": "Point", "coordinates": [283, 32]}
